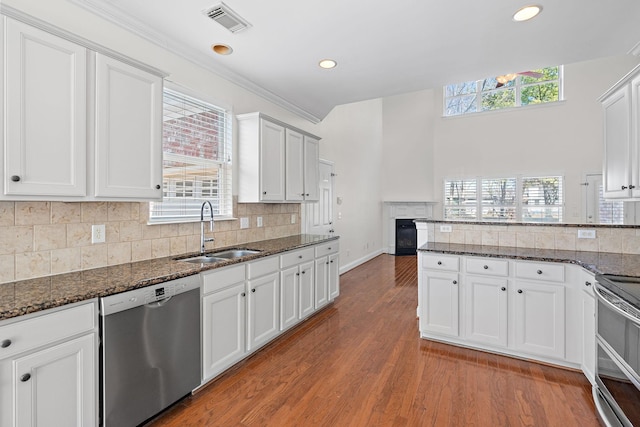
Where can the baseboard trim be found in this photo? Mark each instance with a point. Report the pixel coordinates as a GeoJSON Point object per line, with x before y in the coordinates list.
{"type": "Point", "coordinates": [354, 264]}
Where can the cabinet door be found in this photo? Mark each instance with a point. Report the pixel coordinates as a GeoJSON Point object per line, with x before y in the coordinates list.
{"type": "Point", "coordinates": [57, 386]}
{"type": "Point", "coordinates": [322, 282]}
{"type": "Point", "coordinates": [635, 137]}
{"type": "Point", "coordinates": [439, 305]}
{"type": "Point", "coordinates": [486, 310]}
{"type": "Point", "coordinates": [539, 310]}
{"type": "Point", "coordinates": [223, 332]}
{"type": "Point", "coordinates": [294, 175]}
{"type": "Point", "coordinates": [272, 137]}
{"type": "Point", "coordinates": [45, 114]}
{"type": "Point", "coordinates": [334, 276]}
{"type": "Point", "coordinates": [289, 299]}
{"type": "Point", "coordinates": [617, 143]}
{"type": "Point", "coordinates": [128, 131]}
{"type": "Point", "coordinates": [311, 169]}
{"type": "Point", "coordinates": [264, 311]}
{"type": "Point", "coordinates": [307, 296]}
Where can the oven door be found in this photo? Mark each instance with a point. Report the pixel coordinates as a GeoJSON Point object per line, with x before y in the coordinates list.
{"type": "Point", "coordinates": [618, 360]}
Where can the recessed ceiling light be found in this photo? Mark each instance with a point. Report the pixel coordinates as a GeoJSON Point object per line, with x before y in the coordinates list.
{"type": "Point", "coordinates": [527, 12]}
{"type": "Point", "coordinates": [327, 63]}
{"type": "Point", "coordinates": [222, 49]}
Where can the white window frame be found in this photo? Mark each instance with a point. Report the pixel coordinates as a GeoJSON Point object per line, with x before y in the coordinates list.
{"type": "Point", "coordinates": [519, 206]}
{"type": "Point", "coordinates": [517, 86]}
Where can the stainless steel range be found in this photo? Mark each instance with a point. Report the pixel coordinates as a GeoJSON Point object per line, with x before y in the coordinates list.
{"type": "Point", "coordinates": [617, 391]}
{"type": "Point", "coordinates": [150, 350]}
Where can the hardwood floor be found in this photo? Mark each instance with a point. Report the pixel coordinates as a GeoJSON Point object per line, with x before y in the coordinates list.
{"type": "Point", "coordinates": [360, 362]}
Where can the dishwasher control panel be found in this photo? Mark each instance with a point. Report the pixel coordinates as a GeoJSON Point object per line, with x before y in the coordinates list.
{"type": "Point", "coordinates": [147, 295]}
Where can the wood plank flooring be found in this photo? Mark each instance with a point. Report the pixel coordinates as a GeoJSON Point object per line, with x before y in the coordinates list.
{"type": "Point", "coordinates": [360, 362]}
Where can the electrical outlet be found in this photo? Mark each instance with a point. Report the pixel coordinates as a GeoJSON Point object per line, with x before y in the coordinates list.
{"type": "Point", "coordinates": [445, 229]}
{"type": "Point", "coordinates": [98, 233]}
{"type": "Point", "coordinates": [244, 222]}
{"type": "Point", "coordinates": [293, 218]}
{"type": "Point", "coordinates": [259, 221]}
{"type": "Point", "coordinates": [587, 234]}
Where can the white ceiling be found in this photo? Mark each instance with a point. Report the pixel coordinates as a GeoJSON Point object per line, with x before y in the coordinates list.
{"type": "Point", "coordinates": [382, 48]}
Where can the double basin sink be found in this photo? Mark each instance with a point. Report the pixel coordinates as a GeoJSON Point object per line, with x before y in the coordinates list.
{"type": "Point", "coordinates": [219, 256]}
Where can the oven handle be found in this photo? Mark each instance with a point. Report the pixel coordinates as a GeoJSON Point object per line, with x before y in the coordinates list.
{"type": "Point", "coordinates": [619, 311]}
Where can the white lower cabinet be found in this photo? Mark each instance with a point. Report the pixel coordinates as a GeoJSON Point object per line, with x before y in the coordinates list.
{"type": "Point", "coordinates": [536, 310]}
{"type": "Point", "coordinates": [588, 324]}
{"type": "Point", "coordinates": [334, 276]}
{"type": "Point", "coordinates": [296, 294]}
{"type": "Point", "coordinates": [48, 368]}
{"type": "Point", "coordinates": [263, 317]}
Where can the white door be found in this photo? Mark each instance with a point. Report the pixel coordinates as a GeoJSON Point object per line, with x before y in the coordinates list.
{"type": "Point", "coordinates": [57, 386]}
{"type": "Point", "coordinates": [223, 332]}
{"type": "Point", "coordinates": [128, 131]}
{"type": "Point", "coordinates": [45, 113]}
{"type": "Point", "coordinates": [486, 310]}
{"type": "Point", "coordinates": [319, 215]}
{"type": "Point", "coordinates": [264, 312]}
{"type": "Point", "coordinates": [439, 306]}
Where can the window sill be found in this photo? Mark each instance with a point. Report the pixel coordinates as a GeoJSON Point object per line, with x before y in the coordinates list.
{"type": "Point", "coordinates": [508, 110]}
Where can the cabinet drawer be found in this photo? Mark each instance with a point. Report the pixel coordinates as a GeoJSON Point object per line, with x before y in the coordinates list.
{"type": "Point", "coordinates": [327, 249]}
{"type": "Point", "coordinates": [220, 279]}
{"type": "Point", "coordinates": [540, 271]}
{"type": "Point", "coordinates": [494, 267]}
{"type": "Point", "coordinates": [296, 257]}
{"type": "Point", "coordinates": [47, 328]}
{"type": "Point", "coordinates": [441, 262]}
{"type": "Point", "coordinates": [262, 267]}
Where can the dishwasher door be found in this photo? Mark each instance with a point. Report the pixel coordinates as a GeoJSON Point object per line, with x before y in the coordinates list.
{"type": "Point", "coordinates": [150, 355]}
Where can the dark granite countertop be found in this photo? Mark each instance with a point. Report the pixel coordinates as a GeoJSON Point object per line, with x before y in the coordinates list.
{"type": "Point", "coordinates": [28, 296]}
{"type": "Point", "coordinates": [596, 262]}
{"type": "Point", "coordinates": [522, 224]}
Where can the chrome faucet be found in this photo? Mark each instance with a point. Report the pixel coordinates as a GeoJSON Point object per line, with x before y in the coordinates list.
{"type": "Point", "coordinates": [204, 240]}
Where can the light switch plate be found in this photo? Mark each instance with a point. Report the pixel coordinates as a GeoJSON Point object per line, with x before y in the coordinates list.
{"type": "Point", "coordinates": [244, 222]}
{"type": "Point", "coordinates": [587, 234]}
{"type": "Point", "coordinates": [445, 229]}
{"type": "Point", "coordinates": [293, 218]}
{"type": "Point", "coordinates": [259, 221]}
{"type": "Point", "coordinates": [98, 233]}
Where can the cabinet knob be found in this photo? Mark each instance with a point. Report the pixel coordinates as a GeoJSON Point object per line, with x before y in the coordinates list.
{"type": "Point", "coordinates": [300, 256]}
{"type": "Point", "coordinates": [5, 343]}
{"type": "Point", "coordinates": [15, 178]}
{"type": "Point", "coordinates": [631, 187]}
{"type": "Point", "coordinates": [264, 192]}
{"type": "Point", "coordinates": [253, 290]}
{"type": "Point", "coordinates": [331, 261]}
{"type": "Point", "coordinates": [587, 283]}
{"type": "Point", "coordinates": [519, 291]}
{"type": "Point", "coordinates": [304, 272]}
{"type": "Point", "coordinates": [624, 187]}
{"type": "Point", "coordinates": [539, 271]}
{"type": "Point", "coordinates": [307, 194]}
{"type": "Point", "coordinates": [439, 262]}
{"type": "Point", "coordinates": [486, 267]}
{"type": "Point", "coordinates": [25, 378]}
{"type": "Point", "coordinates": [243, 294]}
{"type": "Point", "coordinates": [297, 274]}
{"type": "Point", "coordinates": [455, 282]}
{"type": "Point", "coordinates": [158, 187]}
{"type": "Point", "coordinates": [327, 262]}
{"type": "Point", "coordinates": [503, 289]}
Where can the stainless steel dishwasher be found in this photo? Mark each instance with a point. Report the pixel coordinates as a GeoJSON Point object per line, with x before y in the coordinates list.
{"type": "Point", "coordinates": [150, 350]}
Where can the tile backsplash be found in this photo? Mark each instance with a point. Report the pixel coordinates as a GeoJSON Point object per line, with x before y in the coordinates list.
{"type": "Point", "coordinates": [608, 239]}
{"type": "Point", "coordinates": [42, 238]}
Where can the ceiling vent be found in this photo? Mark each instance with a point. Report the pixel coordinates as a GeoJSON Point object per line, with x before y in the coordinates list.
{"type": "Point", "coordinates": [223, 15]}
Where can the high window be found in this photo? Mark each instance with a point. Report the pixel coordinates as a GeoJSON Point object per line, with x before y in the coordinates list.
{"type": "Point", "coordinates": [505, 91]}
{"type": "Point", "coordinates": [521, 199]}
{"type": "Point", "coordinates": [196, 144]}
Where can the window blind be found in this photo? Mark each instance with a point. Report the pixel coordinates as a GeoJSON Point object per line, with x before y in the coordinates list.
{"type": "Point", "coordinates": [542, 199]}
{"type": "Point", "coordinates": [197, 160]}
{"type": "Point", "coordinates": [610, 211]}
{"type": "Point", "coordinates": [460, 199]}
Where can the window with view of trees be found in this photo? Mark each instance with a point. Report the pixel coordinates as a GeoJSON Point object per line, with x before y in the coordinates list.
{"type": "Point", "coordinates": [526, 199]}
{"type": "Point", "coordinates": [510, 90]}
{"type": "Point", "coordinates": [196, 149]}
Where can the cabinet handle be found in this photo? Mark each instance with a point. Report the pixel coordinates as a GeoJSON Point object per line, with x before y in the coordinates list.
{"type": "Point", "coordinates": [503, 289]}
{"type": "Point", "coordinates": [5, 343]}
{"type": "Point", "coordinates": [25, 378]}
{"type": "Point", "coordinates": [158, 187]}
{"type": "Point", "coordinates": [587, 283]}
{"type": "Point", "coordinates": [624, 187]}
{"type": "Point", "coordinates": [455, 282]}
{"type": "Point", "coordinates": [539, 271]}
{"type": "Point", "coordinates": [253, 290]}
{"type": "Point", "coordinates": [439, 262]}
{"type": "Point", "coordinates": [486, 267]}
{"type": "Point", "coordinates": [243, 294]}
{"type": "Point", "coordinates": [519, 291]}
{"type": "Point", "coordinates": [15, 178]}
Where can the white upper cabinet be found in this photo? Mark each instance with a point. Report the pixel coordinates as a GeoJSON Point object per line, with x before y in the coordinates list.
{"type": "Point", "coordinates": [80, 122]}
{"type": "Point", "coordinates": [45, 114]}
{"type": "Point", "coordinates": [128, 131]}
{"type": "Point", "coordinates": [621, 167]}
{"type": "Point", "coordinates": [277, 163]}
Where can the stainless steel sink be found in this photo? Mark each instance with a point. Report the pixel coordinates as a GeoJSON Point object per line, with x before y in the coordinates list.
{"type": "Point", "coordinates": [219, 256]}
{"type": "Point", "coordinates": [233, 253]}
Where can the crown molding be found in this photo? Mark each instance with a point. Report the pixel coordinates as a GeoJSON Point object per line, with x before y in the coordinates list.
{"type": "Point", "coordinates": [116, 16]}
